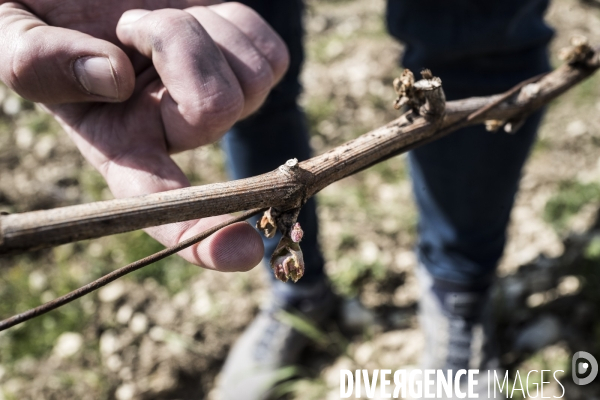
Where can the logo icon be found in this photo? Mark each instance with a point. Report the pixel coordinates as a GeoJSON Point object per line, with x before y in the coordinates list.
{"type": "Point", "coordinates": [584, 367]}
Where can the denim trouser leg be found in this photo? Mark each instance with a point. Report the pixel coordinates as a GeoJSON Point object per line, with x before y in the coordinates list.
{"type": "Point", "coordinates": [464, 186]}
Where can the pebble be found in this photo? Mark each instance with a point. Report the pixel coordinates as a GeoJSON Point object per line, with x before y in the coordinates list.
{"type": "Point", "coordinates": [109, 343]}
{"type": "Point", "coordinates": [23, 138]}
{"type": "Point", "coordinates": [44, 146]}
{"type": "Point", "coordinates": [369, 252]}
{"type": "Point", "coordinates": [139, 323]}
{"type": "Point", "coordinates": [114, 363]}
{"type": "Point", "coordinates": [576, 128]}
{"type": "Point", "coordinates": [202, 304]}
{"type": "Point", "coordinates": [124, 314]}
{"type": "Point", "coordinates": [125, 391]}
{"type": "Point", "coordinates": [363, 353]}
{"type": "Point", "coordinates": [37, 281]}
{"type": "Point", "coordinates": [111, 292]}
{"type": "Point", "coordinates": [68, 344]}
{"type": "Point", "coordinates": [11, 106]}
{"type": "Point", "coordinates": [157, 334]}
{"type": "Point", "coordinates": [569, 285]}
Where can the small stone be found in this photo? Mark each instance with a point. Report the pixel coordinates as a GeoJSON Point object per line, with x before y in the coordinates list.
{"type": "Point", "coordinates": [68, 344]}
{"type": "Point", "coordinates": [37, 281]}
{"type": "Point", "coordinates": [114, 363]}
{"type": "Point", "coordinates": [109, 343]}
{"type": "Point", "coordinates": [202, 304]}
{"type": "Point", "coordinates": [405, 260]}
{"type": "Point", "coordinates": [334, 49]}
{"type": "Point", "coordinates": [125, 392]}
{"type": "Point", "coordinates": [14, 386]}
{"type": "Point", "coordinates": [126, 374]}
{"type": "Point", "coordinates": [124, 314]}
{"type": "Point", "coordinates": [139, 323]}
{"type": "Point", "coordinates": [569, 285]}
{"type": "Point", "coordinates": [111, 292]}
{"type": "Point", "coordinates": [165, 315]}
{"type": "Point", "coordinates": [369, 252]}
{"type": "Point", "coordinates": [576, 128]}
{"type": "Point", "coordinates": [163, 380]}
{"type": "Point", "coordinates": [44, 146]}
{"type": "Point", "coordinates": [181, 299]}
{"type": "Point", "coordinates": [11, 106]}
{"type": "Point", "coordinates": [23, 138]}
{"type": "Point", "coordinates": [363, 353]}
{"type": "Point", "coordinates": [317, 23]}
{"type": "Point", "coordinates": [536, 300]}
{"type": "Point", "coordinates": [157, 334]}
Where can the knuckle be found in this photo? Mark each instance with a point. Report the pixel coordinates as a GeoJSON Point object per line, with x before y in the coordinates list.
{"type": "Point", "coordinates": [276, 52]}
{"type": "Point", "coordinates": [259, 82]}
{"type": "Point", "coordinates": [161, 23]}
{"type": "Point", "coordinates": [216, 113]}
{"type": "Point", "coordinates": [223, 109]}
{"type": "Point", "coordinates": [237, 7]}
{"type": "Point", "coordinates": [168, 29]}
{"type": "Point", "coordinates": [22, 67]}
{"type": "Point", "coordinates": [280, 57]}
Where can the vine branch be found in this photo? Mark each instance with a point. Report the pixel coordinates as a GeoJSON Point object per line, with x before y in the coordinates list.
{"type": "Point", "coordinates": [282, 188]}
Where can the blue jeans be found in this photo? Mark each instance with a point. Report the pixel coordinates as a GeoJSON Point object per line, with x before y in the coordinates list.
{"type": "Point", "coordinates": [464, 184]}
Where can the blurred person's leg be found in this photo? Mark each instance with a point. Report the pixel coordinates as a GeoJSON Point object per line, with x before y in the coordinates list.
{"type": "Point", "coordinates": [465, 184]}
{"type": "Point", "coordinates": [261, 143]}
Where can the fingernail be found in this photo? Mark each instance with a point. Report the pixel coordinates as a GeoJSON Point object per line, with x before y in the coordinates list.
{"type": "Point", "coordinates": [131, 16]}
{"type": "Point", "coordinates": [96, 75]}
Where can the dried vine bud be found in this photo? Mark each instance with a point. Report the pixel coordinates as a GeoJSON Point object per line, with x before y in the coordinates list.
{"type": "Point", "coordinates": [579, 51]}
{"type": "Point", "coordinates": [492, 125]}
{"type": "Point", "coordinates": [296, 233]}
{"type": "Point", "coordinates": [287, 261]}
{"type": "Point", "coordinates": [426, 74]}
{"type": "Point", "coordinates": [267, 224]}
{"type": "Point", "coordinates": [289, 266]}
{"type": "Point", "coordinates": [404, 88]}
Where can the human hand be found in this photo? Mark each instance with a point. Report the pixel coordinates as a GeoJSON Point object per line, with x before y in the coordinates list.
{"type": "Point", "coordinates": [132, 86]}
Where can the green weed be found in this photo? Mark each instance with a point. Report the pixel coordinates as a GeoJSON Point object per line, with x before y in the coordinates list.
{"type": "Point", "coordinates": [571, 197]}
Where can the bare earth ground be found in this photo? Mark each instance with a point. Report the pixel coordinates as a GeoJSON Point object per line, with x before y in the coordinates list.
{"type": "Point", "coordinates": [164, 332]}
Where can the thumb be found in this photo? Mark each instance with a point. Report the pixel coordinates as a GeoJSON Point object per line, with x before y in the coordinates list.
{"type": "Point", "coordinates": [56, 65]}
